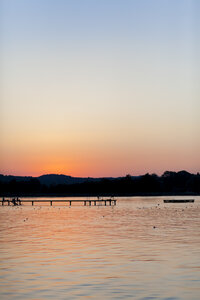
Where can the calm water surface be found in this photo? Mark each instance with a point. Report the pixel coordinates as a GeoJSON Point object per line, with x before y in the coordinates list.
{"type": "Point", "coordinates": [139, 249]}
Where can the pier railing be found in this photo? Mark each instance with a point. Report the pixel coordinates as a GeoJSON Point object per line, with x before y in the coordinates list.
{"type": "Point", "coordinates": [90, 202]}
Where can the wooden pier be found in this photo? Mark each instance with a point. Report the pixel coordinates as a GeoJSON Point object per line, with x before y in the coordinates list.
{"type": "Point", "coordinates": [90, 202]}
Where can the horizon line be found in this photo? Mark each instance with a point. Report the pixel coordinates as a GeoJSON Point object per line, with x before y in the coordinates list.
{"type": "Point", "coordinates": [61, 174]}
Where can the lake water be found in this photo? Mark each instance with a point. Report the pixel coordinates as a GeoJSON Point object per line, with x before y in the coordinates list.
{"type": "Point", "coordinates": [139, 249]}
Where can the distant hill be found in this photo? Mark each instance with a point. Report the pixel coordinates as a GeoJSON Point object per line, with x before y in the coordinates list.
{"type": "Point", "coordinates": [50, 179]}
{"type": "Point", "coordinates": [54, 179]}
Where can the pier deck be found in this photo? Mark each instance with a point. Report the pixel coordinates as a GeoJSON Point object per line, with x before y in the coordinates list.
{"type": "Point", "coordinates": [108, 201]}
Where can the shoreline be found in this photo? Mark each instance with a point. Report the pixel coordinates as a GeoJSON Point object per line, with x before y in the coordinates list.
{"type": "Point", "coordinates": [96, 195]}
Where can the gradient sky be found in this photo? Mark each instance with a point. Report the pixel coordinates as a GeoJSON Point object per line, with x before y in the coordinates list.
{"type": "Point", "coordinates": [99, 88]}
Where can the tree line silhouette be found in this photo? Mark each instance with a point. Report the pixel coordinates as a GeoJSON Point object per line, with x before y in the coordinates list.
{"type": "Point", "coordinates": [170, 183]}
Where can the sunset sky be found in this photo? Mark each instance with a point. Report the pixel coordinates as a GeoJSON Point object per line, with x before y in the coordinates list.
{"type": "Point", "coordinates": [99, 88]}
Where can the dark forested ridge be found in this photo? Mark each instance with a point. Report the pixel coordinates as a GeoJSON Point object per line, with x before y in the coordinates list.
{"type": "Point", "coordinates": [170, 183]}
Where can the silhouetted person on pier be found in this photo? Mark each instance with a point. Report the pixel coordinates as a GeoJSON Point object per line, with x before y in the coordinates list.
{"type": "Point", "coordinates": [14, 202]}
{"type": "Point", "coordinates": [19, 201]}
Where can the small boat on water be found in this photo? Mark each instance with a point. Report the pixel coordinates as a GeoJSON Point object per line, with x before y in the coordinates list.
{"type": "Point", "coordinates": [178, 201]}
